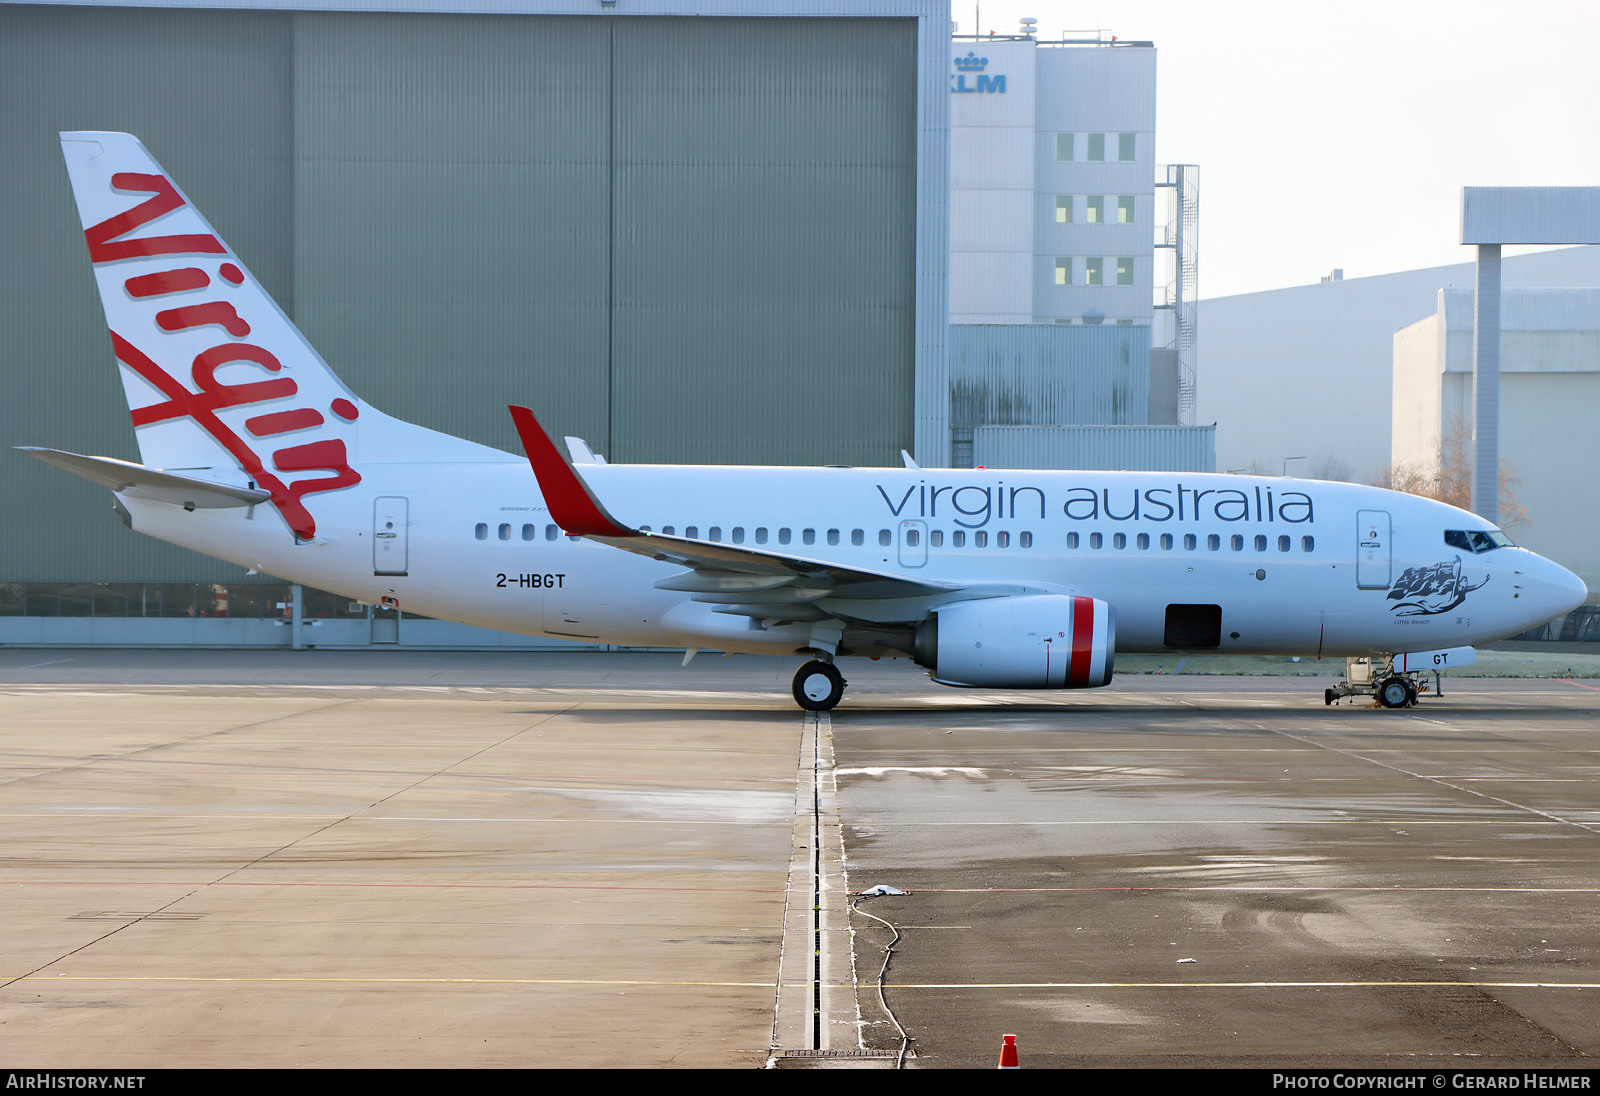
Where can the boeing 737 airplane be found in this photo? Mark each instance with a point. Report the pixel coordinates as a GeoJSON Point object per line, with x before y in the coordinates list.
{"type": "Point", "coordinates": [253, 451]}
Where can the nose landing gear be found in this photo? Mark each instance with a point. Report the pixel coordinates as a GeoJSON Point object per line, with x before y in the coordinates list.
{"type": "Point", "coordinates": [1377, 677]}
{"type": "Point", "coordinates": [818, 686]}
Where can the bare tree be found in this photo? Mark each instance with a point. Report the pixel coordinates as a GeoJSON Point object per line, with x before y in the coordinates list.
{"type": "Point", "coordinates": [1450, 479]}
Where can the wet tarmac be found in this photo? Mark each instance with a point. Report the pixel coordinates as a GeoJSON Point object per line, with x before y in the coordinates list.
{"type": "Point", "coordinates": [413, 859]}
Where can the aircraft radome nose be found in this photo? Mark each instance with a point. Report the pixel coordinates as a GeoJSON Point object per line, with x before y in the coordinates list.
{"type": "Point", "coordinates": [1569, 589]}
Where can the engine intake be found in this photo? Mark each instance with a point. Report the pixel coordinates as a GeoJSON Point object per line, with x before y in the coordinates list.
{"type": "Point", "coordinates": [1041, 641]}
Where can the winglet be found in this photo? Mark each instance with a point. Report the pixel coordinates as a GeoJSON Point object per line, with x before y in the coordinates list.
{"type": "Point", "coordinates": [572, 505]}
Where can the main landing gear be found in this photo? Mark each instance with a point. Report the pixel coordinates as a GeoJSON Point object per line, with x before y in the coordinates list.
{"type": "Point", "coordinates": [1376, 677]}
{"type": "Point", "coordinates": [818, 686]}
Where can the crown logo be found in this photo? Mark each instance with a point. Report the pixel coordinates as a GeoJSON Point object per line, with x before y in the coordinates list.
{"type": "Point", "coordinates": [971, 63]}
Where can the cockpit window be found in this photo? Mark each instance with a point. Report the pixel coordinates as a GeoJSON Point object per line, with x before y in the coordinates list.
{"type": "Point", "coordinates": [1477, 540]}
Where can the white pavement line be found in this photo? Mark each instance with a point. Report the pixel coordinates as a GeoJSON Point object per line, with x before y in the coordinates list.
{"type": "Point", "coordinates": [1451, 784]}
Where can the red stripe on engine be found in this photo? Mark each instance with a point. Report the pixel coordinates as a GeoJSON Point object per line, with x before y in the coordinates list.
{"type": "Point", "coordinates": [1082, 642]}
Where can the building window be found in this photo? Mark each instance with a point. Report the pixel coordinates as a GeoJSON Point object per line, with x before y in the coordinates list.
{"type": "Point", "coordinates": [1063, 209]}
{"type": "Point", "coordinates": [1063, 271]}
{"type": "Point", "coordinates": [1125, 147]}
{"type": "Point", "coordinates": [1094, 209]}
{"type": "Point", "coordinates": [1094, 272]}
{"type": "Point", "coordinates": [1097, 146]}
{"type": "Point", "coordinates": [1064, 146]}
{"type": "Point", "coordinates": [1125, 209]}
{"type": "Point", "coordinates": [1125, 271]}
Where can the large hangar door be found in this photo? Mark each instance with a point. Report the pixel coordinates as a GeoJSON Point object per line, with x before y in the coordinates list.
{"type": "Point", "coordinates": [765, 211]}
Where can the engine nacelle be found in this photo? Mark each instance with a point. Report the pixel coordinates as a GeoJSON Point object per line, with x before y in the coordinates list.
{"type": "Point", "coordinates": [1040, 641]}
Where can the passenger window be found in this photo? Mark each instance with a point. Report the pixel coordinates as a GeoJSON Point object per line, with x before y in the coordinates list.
{"type": "Point", "coordinates": [692, 532]}
{"type": "Point", "coordinates": [481, 531]}
{"type": "Point", "coordinates": [857, 537]}
{"type": "Point", "coordinates": [1283, 544]}
{"type": "Point", "coordinates": [1072, 540]}
{"type": "Point", "coordinates": [1143, 541]}
{"type": "Point", "coordinates": [1002, 540]}
{"type": "Point", "coordinates": [1261, 543]}
{"type": "Point", "coordinates": [980, 539]}
{"type": "Point", "coordinates": [936, 538]}
{"type": "Point", "coordinates": [833, 536]}
{"type": "Point", "coordinates": [913, 538]}
{"type": "Point", "coordinates": [738, 534]}
{"type": "Point", "coordinates": [958, 539]}
{"type": "Point", "coordinates": [808, 536]}
{"type": "Point", "coordinates": [1214, 542]}
{"type": "Point", "coordinates": [1094, 541]}
{"type": "Point", "coordinates": [1025, 540]}
{"type": "Point", "coordinates": [761, 534]}
{"type": "Point", "coordinates": [1189, 542]}
{"type": "Point", "coordinates": [716, 533]}
{"type": "Point", "coordinates": [666, 530]}
{"type": "Point", "coordinates": [505, 532]}
{"type": "Point", "coordinates": [1236, 542]}
{"type": "Point", "coordinates": [1119, 541]}
{"type": "Point", "coordinates": [885, 538]}
{"type": "Point", "coordinates": [1166, 542]}
{"type": "Point", "coordinates": [783, 535]}
{"type": "Point", "coordinates": [529, 532]}
{"type": "Point", "coordinates": [551, 532]}
{"type": "Point", "coordinates": [1308, 544]}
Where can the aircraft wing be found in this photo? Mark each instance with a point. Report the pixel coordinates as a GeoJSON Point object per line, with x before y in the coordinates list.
{"type": "Point", "coordinates": [742, 580]}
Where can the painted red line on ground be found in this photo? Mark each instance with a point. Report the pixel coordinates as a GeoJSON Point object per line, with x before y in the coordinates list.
{"type": "Point", "coordinates": [1576, 684]}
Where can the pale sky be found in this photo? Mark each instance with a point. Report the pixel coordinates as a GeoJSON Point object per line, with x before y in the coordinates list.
{"type": "Point", "coordinates": [1340, 135]}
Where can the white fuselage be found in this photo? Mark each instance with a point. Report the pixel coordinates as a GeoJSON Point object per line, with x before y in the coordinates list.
{"type": "Point", "coordinates": [1296, 567]}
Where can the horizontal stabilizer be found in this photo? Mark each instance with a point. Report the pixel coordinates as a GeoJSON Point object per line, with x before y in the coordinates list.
{"type": "Point", "coordinates": [137, 481]}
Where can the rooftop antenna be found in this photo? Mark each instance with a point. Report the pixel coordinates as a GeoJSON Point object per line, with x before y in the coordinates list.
{"type": "Point", "coordinates": [1029, 26]}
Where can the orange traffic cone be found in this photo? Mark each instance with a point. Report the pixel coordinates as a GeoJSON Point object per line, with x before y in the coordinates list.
{"type": "Point", "coordinates": [1008, 1053]}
